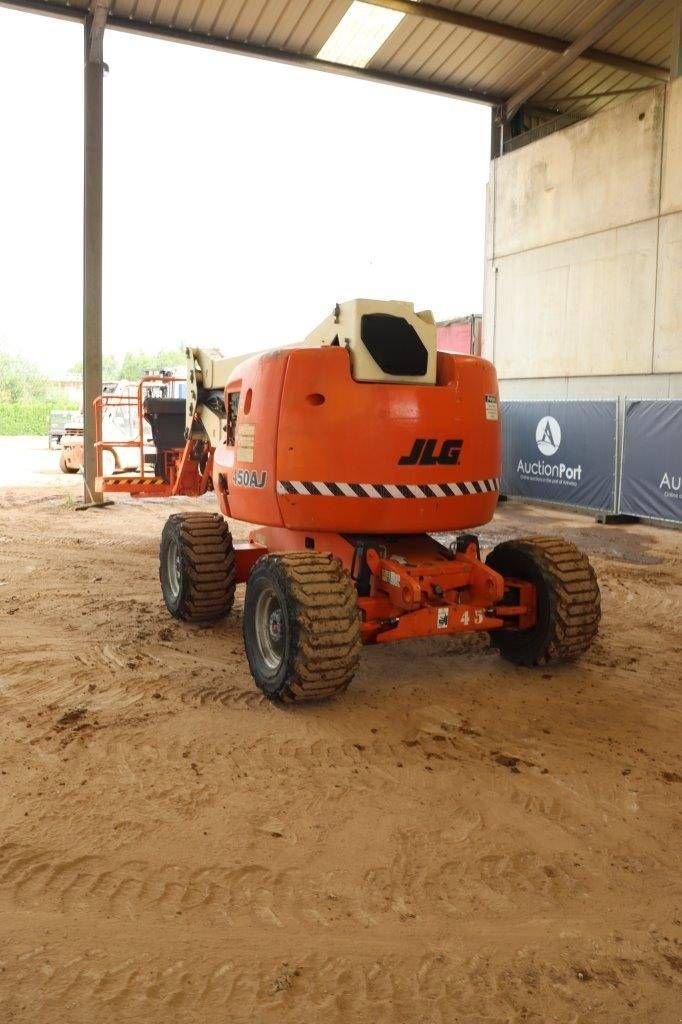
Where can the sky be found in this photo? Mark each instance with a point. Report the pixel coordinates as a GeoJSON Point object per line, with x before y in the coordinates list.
{"type": "Point", "coordinates": [242, 198]}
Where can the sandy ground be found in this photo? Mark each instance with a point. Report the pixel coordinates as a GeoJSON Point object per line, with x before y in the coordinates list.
{"type": "Point", "coordinates": [28, 462]}
{"type": "Point", "coordinates": [455, 840]}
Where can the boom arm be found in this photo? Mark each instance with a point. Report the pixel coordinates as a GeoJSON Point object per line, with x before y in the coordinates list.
{"type": "Point", "coordinates": [207, 375]}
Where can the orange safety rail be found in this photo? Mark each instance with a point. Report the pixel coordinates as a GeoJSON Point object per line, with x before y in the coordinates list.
{"type": "Point", "coordinates": [188, 470]}
{"type": "Point", "coordinates": [126, 401]}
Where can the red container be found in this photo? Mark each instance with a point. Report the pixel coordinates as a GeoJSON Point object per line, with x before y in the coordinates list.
{"type": "Point", "coordinates": [461, 335]}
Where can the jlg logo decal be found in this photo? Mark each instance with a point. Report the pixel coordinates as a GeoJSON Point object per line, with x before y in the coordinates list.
{"type": "Point", "coordinates": [424, 453]}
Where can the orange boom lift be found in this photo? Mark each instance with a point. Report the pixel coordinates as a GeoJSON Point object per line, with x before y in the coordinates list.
{"type": "Point", "coordinates": [351, 450]}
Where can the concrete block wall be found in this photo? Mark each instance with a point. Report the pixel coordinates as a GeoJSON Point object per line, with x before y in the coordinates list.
{"type": "Point", "coordinates": [583, 276]}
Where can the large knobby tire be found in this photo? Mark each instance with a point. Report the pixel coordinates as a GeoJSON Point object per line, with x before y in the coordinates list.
{"type": "Point", "coordinates": [568, 600]}
{"type": "Point", "coordinates": [197, 567]}
{"type": "Point", "coordinates": [301, 626]}
{"type": "Point", "coordinates": [64, 465]}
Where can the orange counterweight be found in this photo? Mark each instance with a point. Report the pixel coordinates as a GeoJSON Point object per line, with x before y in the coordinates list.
{"type": "Point", "coordinates": [316, 450]}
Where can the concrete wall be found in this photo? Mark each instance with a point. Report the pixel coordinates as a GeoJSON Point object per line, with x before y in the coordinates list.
{"type": "Point", "coordinates": [583, 281]}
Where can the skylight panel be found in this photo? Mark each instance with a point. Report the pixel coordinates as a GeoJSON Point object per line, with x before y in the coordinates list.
{"type": "Point", "coordinates": [359, 34]}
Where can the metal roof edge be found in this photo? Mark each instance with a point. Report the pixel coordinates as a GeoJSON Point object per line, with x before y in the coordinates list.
{"type": "Point", "coordinates": [46, 7]}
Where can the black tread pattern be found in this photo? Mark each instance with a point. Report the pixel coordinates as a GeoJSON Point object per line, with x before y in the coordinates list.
{"type": "Point", "coordinates": [324, 603]}
{"type": "Point", "coordinates": [208, 564]}
{"type": "Point", "coordinates": [328, 626]}
{"type": "Point", "coordinates": [575, 600]}
{"type": "Point", "coordinates": [64, 466]}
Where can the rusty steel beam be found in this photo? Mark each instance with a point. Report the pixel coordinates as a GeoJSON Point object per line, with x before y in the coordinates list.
{"type": "Point", "coordinates": [486, 26]}
{"type": "Point", "coordinates": [99, 13]}
{"type": "Point", "coordinates": [554, 67]}
{"type": "Point", "coordinates": [502, 30]}
{"type": "Point", "coordinates": [603, 94]}
{"type": "Point", "coordinates": [269, 53]}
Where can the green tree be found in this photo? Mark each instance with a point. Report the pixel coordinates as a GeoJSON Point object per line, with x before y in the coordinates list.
{"type": "Point", "coordinates": [135, 364]}
{"type": "Point", "coordinates": [21, 380]}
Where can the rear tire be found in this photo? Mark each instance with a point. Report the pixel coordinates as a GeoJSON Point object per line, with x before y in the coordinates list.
{"type": "Point", "coordinates": [568, 600]}
{"type": "Point", "coordinates": [64, 466]}
{"type": "Point", "coordinates": [197, 567]}
{"type": "Point", "coordinates": [301, 626]}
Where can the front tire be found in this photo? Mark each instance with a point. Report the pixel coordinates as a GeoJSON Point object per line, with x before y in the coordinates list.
{"type": "Point", "coordinates": [301, 626]}
{"type": "Point", "coordinates": [568, 600]}
{"type": "Point", "coordinates": [197, 567]}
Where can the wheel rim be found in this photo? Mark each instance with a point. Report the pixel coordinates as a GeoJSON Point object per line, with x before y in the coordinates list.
{"type": "Point", "coordinates": [269, 629]}
{"type": "Point", "coordinates": [173, 568]}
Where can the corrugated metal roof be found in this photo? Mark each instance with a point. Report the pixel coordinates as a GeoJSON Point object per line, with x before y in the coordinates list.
{"type": "Point", "coordinates": [422, 51]}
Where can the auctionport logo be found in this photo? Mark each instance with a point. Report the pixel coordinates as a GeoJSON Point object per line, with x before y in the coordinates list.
{"type": "Point", "coordinates": [548, 440]}
{"type": "Point", "coordinates": [548, 435]}
{"type": "Point", "coordinates": [671, 485]}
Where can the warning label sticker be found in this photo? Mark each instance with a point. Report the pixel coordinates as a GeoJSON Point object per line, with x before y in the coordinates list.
{"type": "Point", "coordinates": [246, 441]}
{"type": "Point", "coordinates": [390, 577]}
{"type": "Point", "coordinates": [491, 412]}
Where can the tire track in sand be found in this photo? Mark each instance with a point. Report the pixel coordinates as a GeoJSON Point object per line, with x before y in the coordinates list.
{"type": "Point", "coordinates": [44, 879]}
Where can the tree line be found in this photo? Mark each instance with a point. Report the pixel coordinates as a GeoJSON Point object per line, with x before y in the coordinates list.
{"type": "Point", "coordinates": [134, 365]}
{"type": "Point", "coordinates": [23, 382]}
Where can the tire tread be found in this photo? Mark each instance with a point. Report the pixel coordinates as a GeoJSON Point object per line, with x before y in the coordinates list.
{"type": "Point", "coordinates": [208, 565]}
{"type": "Point", "coordinates": [575, 601]}
{"type": "Point", "coordinates": [323, 604]}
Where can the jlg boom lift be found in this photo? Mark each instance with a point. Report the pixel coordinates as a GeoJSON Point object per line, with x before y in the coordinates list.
{"type": "Point", "coordinates": [350, 450]}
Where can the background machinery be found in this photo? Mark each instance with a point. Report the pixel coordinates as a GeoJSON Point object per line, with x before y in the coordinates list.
{"type": "Point", "coordinates": [350, 450]}
{"type": "Point", "coordinates": [129, 443]}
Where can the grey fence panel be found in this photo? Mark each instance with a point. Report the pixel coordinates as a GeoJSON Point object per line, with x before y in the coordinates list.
{"type": "Point", "coordinates": [563, 452]}
{"type": "Point", "coordinates": [651, 472]}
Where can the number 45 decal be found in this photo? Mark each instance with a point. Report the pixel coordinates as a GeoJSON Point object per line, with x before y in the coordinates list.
{"type": "Point", "coordinates": [443, 617]}
{"type": "Point", "coordinates": [479, 616]}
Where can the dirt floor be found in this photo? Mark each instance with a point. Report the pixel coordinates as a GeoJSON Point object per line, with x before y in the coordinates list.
{"type": "Point", "coordinates": [455, 840]}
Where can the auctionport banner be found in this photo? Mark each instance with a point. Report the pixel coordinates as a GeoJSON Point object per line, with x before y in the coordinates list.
{"type": "Point", "coordinates": [560, 451]}
{"type": "Point", "coordinates": [651, 475]}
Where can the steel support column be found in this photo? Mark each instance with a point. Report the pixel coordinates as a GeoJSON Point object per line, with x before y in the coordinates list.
{"type": "Point", "coordinates": [495, 136]}
{"type": "Point", "coordinates": [92, 243]}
